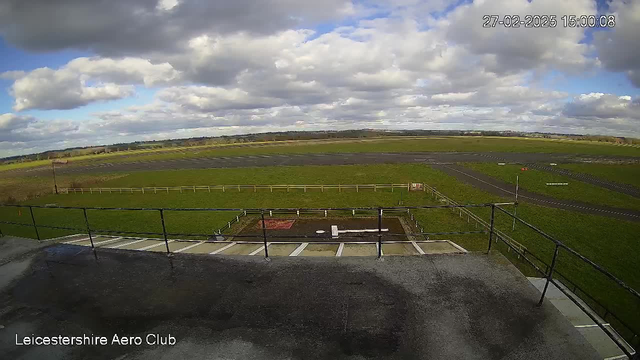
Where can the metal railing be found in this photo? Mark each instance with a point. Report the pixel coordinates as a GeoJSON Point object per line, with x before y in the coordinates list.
{"type": "Point", "coordinates": [237, 187]}
{"type": "Point", "coordinates": [494, 236]}
{"type": "Point", "coordinates": [471, 216]}
{"type": "Point", "coordinates": [550, 270]}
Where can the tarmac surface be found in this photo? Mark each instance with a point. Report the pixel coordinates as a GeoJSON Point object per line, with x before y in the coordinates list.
{"type": "Point", "coordinates": [315, 159]}
{"type": "Point", "coordinates": [471, 306]}
{"type": "Point", "coordinates": [503, 188]}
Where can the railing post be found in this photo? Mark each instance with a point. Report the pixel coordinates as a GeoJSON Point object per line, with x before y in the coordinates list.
{"type": "Point", "coordinates": [33, 219]}
{"type": "Point", "coordinates": [264, 235]}
{"type": "Point", "coordinates": [164, 231]}
{"type": "Point", "coordinates": [549, 275]}
{"type": "Point", "coordinates": [379, 233]}
{"type": "Point", "coordinates": [493, 212]}
{"type": "Point", "coordinates": [86, 221]}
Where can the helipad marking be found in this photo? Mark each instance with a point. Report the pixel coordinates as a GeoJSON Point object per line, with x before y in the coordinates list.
{"type": "Point", "coordinates": [75, 241]}
{"type": "Point", "coordinates": [222, 249]}
{"type": "Point", "coordinates": [189, 247]}
{"type": "Point", "coordinates": [107, 241]}
{"type": "Point", "coordinates": [154, 245]}
{"type": "Point", "coordinates": [299, 249]}
{"type": "Point", "coordinates": [256, 251]}
{"type": "Point", "coordinates": [457, 246]}
{"type": "Point", "coordinates": [129, 243]}
{"type": "Point", "coordinates": [340, 248]}
{"type": "Point", "coordinates": [418, 248]}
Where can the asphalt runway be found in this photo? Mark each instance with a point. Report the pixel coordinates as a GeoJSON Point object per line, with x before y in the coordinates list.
{"type": "Point", "coordinates": [502, 188]}
{"type": "Point", "coordinates": [314, 159]}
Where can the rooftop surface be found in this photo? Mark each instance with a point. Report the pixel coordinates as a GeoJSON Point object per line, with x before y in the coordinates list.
{"type": "Point", "coordinates": [470, 306]}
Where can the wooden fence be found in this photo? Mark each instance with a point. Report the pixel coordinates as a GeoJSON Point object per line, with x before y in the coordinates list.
{"type": "Point", "coordinates": [225, 188]}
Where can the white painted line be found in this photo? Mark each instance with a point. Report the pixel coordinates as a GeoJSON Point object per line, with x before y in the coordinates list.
{"type": "Point", "coordinates": [590, 325]}
{"type": "Point", "coordinates": [340, 248]}
{"type": "Point", "coordinates": [65, 237]}
{"type": "Point", "coordinates": [457, 246]}
{"type": "Point", "coordinates": [154, 245]}
{"type": "Point", "coordinates": [222, 249]}
{"type": "Point", "coordinates": [106, 241]}
{"type": "Point", "coordinates": [189, 247]}
{"type": "Point", "coordinates": [125, 244]}
{"type": "Point", "coordinates": [616, 357]}
{"type": "Point", "coordinates": [417, 248]}
{"type": "Point", "coordinates": [299, 249]}
{"type": "Point", "coordinates": [75, 241]}
{"type": "Point", "coordinates": [258, 250]}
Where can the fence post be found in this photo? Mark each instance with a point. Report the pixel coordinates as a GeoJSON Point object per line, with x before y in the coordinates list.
{"type": "Point", "coordinates": [493, 211]}
{"type": "Point", "coordinates": [33, 219]}
{"type": "Point", "coordinates": [379, 233]}
{"type": "Point", "coordinates": [264, 235]}
{"type": "Point", "coordinates": [86, 221]}
{"type": "Point", "coordinates": [164, 231]}
{"type": "Point", "coordinates": [550, 275]}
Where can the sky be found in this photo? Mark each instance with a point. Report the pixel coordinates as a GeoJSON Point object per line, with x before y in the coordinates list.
{"type": "Point", "coordinates": [92, 72]}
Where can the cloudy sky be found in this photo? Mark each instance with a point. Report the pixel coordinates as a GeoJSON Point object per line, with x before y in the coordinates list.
{"type": "Point", "coordinates": [88, 72]}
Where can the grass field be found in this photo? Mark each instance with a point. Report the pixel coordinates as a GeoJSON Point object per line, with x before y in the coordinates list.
{"type": "Point", "coordinates": [609, 242]}
{"type": "Point", "coordinates": [535, 180]}
{"type": "Point", "coordinates": [621, 173]}
{"type": "Point", "coordinates": [479, 144]}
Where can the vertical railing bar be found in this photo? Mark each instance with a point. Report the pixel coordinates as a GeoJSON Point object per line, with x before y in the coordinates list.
{"type": "Point", "coordinates": [493, 211]}
{"type": "Point", "coordinates": [264, 235]}
{"type": "Point", "coordinates": [379, 233]}
{"type": "Point", "coordinates": [86, 221]}
{"type": "Point", "coordinates": [550, 274]}
{"type": "Point", "coordinates": [33, 219]}
{"type": "Point", "coordinates": [164, 231]}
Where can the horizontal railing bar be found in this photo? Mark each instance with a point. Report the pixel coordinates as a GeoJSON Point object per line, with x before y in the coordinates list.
{"type": "Point", "coordinates": [255, 209]}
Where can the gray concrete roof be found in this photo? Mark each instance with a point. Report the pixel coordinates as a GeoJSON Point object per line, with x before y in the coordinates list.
{"type": "Point", "coordinates": [470, 306]}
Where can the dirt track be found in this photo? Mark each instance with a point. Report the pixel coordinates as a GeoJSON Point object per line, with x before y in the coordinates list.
{"type": "Point", "coordinates": [502, 188]}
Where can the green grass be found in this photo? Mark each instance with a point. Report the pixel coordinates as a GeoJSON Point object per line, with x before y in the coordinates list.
{"type": "Point", "coordinates": [611, 243]}
{"type": "Point", "coordinates": [621, 173]}
{"type": "Point", "coordinates": [396, 144]}
{"type": "Point", "coordinates": [535, 180]}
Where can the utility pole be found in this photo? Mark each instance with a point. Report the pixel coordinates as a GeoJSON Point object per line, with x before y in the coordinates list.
{"type": "Point", "coordinates": [53, 168]}
{"type": "Point", "coordinates": [55, 185]}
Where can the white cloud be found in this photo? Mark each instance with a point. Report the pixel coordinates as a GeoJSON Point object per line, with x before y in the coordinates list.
{"type": "Point", "coordinates": [604, 106]}
{"type": "Point", "coordinates": [619, 48]}
{"type": "Point", "coordinates": [49, 89]}
{"type": "Point", "coordinates": [220, 67]}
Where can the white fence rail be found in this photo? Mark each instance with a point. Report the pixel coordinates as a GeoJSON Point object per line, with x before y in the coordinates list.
{"type": "Point", "coordinates": [225, 188]}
